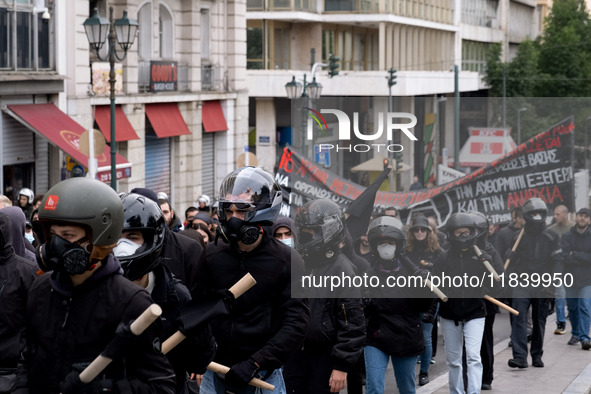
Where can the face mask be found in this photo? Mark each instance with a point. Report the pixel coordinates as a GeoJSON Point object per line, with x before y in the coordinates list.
{"type": "Point", "coordinates": [30, 237]}
{"type": "Point", "coordinates": [235, 230]}
{"type": "Point", "coordinates": [386, 251]}
{"type": "Point", "coordinates": [62, 255]}
{"type": "Point", "coordinates": [537, 216]}
{"type": "Point", "coordinates": [287, 241]}
{"type": "Point", "coordinates": [125, 247]}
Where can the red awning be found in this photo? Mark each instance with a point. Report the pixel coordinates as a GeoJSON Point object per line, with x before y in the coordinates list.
{"type": "Point", "coordinates": [166, 120]}
{"type": "Point", "coordinates": [212, 117]}
{"type": "Point", "coordinates": [61, 130]}
{"type": "Point", "coordinates": [123, 129]}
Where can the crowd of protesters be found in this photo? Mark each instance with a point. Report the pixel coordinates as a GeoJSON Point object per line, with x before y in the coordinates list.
{"type": "Point", "coordinates": [80, 263]}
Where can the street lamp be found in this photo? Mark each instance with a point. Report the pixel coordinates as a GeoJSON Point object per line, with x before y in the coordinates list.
{"type": "Point", "coordinates": [295, 90]}
{"type": "Point", "coordinates": [519, 111]}
{"type": "Point", "coordinates": [123, 32]}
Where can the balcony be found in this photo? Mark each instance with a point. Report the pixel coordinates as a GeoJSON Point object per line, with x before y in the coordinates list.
{"type": "Point", "coordinates": [281, 5]}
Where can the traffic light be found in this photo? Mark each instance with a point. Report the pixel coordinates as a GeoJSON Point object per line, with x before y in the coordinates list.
{"type": "Point", "coordinates": [392, 77]}
{"type": "Point", "coordinates": [398, 158]}
{"type": "Point", "coordinates": [333, 65]}
{"type": "Point", "coordinates": [386, 162]}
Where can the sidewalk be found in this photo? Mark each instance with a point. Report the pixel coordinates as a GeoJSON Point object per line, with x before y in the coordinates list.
{"type": "Point", "coordinates": [567, 369]}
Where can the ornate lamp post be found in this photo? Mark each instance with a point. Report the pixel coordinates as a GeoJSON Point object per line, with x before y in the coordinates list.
{"type": "Point", "coordinates": [123, 32]}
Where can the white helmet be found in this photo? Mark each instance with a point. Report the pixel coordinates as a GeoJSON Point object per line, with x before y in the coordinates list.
{"type": "Point", "coordinates": [27, 192]}
{"type": "Point", "coordinates": [204, 199]}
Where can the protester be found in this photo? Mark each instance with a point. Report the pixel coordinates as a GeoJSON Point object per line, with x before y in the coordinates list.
{"type": "Point", "coordinates": [5, 201]}
{"type": "Point", "coordinates": [203, 203]}
{"type": "Point", "coordinates": [172, 220]}
{"type": "Point", "coordinates": [282, 230]}
{"type": "Point", "coordinates": [576, 250]}
{"type": "Point", "coordinates": [334, 341]}
{"type": "Point", "coordinates": [463, 315]}
{"type": "Point", "coordinates": [538, 252]}
{"type": "Point", "coordinates": [393, 317]}
{"type": "Point", "coordinates": [505, 235]}
{"type": "Point", "coordinates": [391, 211]}
{"type": "Point", "coordinates": [265, 325]}
{"type": "Point", "coordinates": [422, 248]}
{"type": "Point", "coordinates": [17, 275]}
{"type": "Point", "coordinates": [74, 310]}
{"type": "Point", "coordinates": [561, 226]}
{"type": "Point", "coordinates": [416, 184]}
{"type": "Point", "coordinates": [139, 251]}
{"type": "Point", "coordinates": [21, 246]}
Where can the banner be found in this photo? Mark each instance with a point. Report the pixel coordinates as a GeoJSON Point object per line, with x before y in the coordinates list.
{"type": "Point", "coordinates": [540, 167]}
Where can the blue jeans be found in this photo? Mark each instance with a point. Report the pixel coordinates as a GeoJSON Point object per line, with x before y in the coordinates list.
{"type": "Point", "coordinates": [425, 358]}
{"type": "Point", "coordinates": [560, 304]}
{"type": "Point", "coordinates": [213, 384]}
{"type": "Point", "coordinates": [454, 336]}
{"type": "Point", "coordinates": [376, 363]}
{"type": "Point", "coordinates": [579, 309]}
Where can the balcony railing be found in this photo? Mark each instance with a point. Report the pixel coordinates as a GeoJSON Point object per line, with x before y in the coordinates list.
{"type": "Point", "coordinates": [281, 5]}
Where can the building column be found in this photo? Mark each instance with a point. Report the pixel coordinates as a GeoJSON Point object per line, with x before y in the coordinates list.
{"type": "Point", "coordinates": [266, 133]}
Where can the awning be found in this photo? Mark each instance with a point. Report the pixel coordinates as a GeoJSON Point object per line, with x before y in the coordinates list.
{"type": "Point", "coordinates": [212, 117]}
{"type": "Point", "coordinates": [61, 130]}
{"type": "Point", "coordinates": [123, 129]}
{"type": "Point", "coordinates": [485, 145]}
{"type": "Point", "coordinates": [166, 120]}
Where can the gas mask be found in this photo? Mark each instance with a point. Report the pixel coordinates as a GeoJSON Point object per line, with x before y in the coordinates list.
{"type": "Point", "coordinates": [386, 251]}
{"type": "Point", "coordinates": [125, 247]}
{"type": "Point", "coordinates": [61, 255]}
{"type": "Point", "coordinates": [234, 230]}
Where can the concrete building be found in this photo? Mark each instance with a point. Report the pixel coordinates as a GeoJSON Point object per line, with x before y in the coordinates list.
{"type": "Point", "coordinates": [182, 106]}
{"type": "Point", "coordinates": [422, 40]}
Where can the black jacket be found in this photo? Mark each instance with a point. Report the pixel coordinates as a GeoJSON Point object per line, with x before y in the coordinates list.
{"type": "Point", "coordinates": [504, 239]}
{"type": "Point", "coordinates": [181, 255]}
{"type": "Point", "coordinates": [576, 250]}
{"type": "Point", "coordinates": [537, 252]}
{"type": "Point", "coordinates": [465, 302]}
{"type": "Point", "coordinates": [16, 277]}
{"type": "Point", "coordinates": [394, 323]}
{"type": "Point", "coordinates": [419, 253]}
{"type": "Point", "coordinates": [337, 324]}
{"type": "Point", "coordinates": [265, 323]}
{"type": "Point", "coordinates": [68, 325]}
{"type": "Point", "coordinates": [196, 351]}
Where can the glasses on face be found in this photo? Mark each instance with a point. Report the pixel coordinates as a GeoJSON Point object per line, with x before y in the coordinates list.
{"type": "Point", "coordinates": [226, 206]}
{"type": "Point", "coordinates": [419, 230]}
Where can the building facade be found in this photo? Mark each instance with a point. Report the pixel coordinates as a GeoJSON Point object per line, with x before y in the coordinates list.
{"type": "Point", "coordinates": [181, 102]}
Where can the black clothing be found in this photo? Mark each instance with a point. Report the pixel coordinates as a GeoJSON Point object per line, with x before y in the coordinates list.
{"type": "Point", "coordinates": [265, 323]}
{"type": "Point", "coordinates": [419, 252]}
{"type": "Point", "coordinates": [537, 252]}
{"type": "Point", "coordinates": [16, 277]}
{"type": "Point", "coordinates": [175, 224]}
{"type": "Point", "coordinates": [68, 325]}
{"type": "Point", "coordinates": [308, 372]}
{"type": "Point", "coordinates": [182, 255]}
{"type": "Point", "coordinates": [337, 325]}
{"type": "Point", "coordinates": [21, 246]}
{"type": "Point", "coordinates": [504, 239]}
{"type": "Point", "coordinates": [194, 353]}
{"type": "Point", "coordinates": [576, 250]}
{"type": "Point", "coordinates": [394, 323]}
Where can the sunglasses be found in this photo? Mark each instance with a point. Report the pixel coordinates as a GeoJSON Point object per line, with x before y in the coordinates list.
{"type": "Point", "coordinates": [419, 230]}
{"type": "Point", "coordinates": [240, 206]}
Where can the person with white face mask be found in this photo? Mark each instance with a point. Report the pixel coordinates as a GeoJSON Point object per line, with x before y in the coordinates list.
{"type": "Point", "coordinates": [393, 317]}
{"type": "Point", "coordinates": [282, 230]}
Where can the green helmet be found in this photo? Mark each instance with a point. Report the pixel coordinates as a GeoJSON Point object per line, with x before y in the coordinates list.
{"type": "Point", "coordinates": [84, 202]}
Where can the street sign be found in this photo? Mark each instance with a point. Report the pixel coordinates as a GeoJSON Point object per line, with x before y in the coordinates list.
{"type": "Point", "coordinates": [322, 157]}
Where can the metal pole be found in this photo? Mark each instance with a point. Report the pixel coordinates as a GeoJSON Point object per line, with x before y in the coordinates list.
{"type": "Point", "coordinates": [456, 118]}
{"type": "Point", "coordinates": [519, 127]}
{"type": "Point", "coordinates": [112, 80]}
{"type": "Point", "coordinates": [504, 99]}
{"type": "Point", "coordinates": [586, 151]}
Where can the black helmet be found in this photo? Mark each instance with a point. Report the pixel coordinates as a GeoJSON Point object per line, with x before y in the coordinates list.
{"type": "Point", "coordinates": [324, 223]}
{"type": "Point", "coordinates": [254, 189]}
{"type": "Point", "coordinates": [385, 227]}
{"type": "Point", "coordinates": [84, 202]}
{"type": "Point", "coordinates": [456, 221]}
{"type": "Point", "coordinates": [534, 213]}
{"type": "Point", "coordinates": [142, 214]}
{"type": "Point", "coordinates": [481, 224]}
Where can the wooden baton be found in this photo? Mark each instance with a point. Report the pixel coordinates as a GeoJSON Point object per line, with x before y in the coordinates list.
{"type": "Point", "coordinates": [487, 264]}
{"type": "Point", "coordinates": [137, 327]}
{"type": "Point", "coordinates": [514, 248]}
{"type": "Point", "coordinates": [222, 369]}
{"type": "Point", "coordinates": [501, 304]}
{"type": "Point", "coordinates": [237, 290]}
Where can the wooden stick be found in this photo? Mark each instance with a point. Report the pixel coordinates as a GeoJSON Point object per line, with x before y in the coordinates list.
{"type": "Point", "coordinates": [435, 290]}
{"type": "Point", "coordinates": [514, 248]}
{"type": "Point", "coordinates": [222, 369]}
{"type": "Point", "coordinates": [487, 264]}
{"type": "Point", "coordinates": [501, 304]}
{"type": "Point", "coordinates": [237, 290]}
{"type": "Point", "coordinates": [137, 327]}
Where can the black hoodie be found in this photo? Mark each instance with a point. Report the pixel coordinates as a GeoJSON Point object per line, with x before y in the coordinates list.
{"type": "Point", "coordinates": [16, 277]}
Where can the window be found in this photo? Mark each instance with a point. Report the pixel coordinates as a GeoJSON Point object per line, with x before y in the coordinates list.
{"type": "Point", "coordinates": [165, 33]}
{"type": "Point", "coordinates": [205, 36]}
{"type": "Point", "coordinates": [254, 46]}
{"type": "Point", "coordinates": [31, 50]}
{"type": "Point", "coordinates": [145, 32]}
{"type": "Point", "coordinates": [268, 45]}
